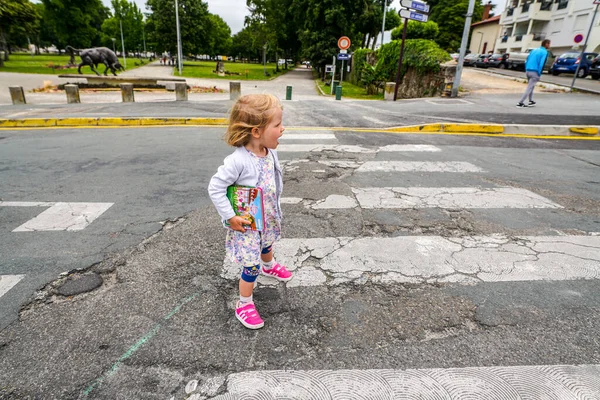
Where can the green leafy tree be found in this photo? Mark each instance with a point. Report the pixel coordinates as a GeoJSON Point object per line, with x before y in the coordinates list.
{"type": "Point", "coordinates": [450, 16]}
{"type": "Point", "coordinates": [194, 24]}
{"type": "Point", "coordinates": [423, 55]}
{"type": "Point", "coordinates": [75, 22]}
{"type": "Point", "coordinates": [243, 45]}
{"type": "Point", "coordinates": [417, 30]}
{"type": "Point", "coordinates": [373, 76]}
{"type": "Point", "coordinates": [18, 19]}
{"type": "Point", "coordinates": [220, 40]}
{"type": "Point", "coordinates": [132, 20]}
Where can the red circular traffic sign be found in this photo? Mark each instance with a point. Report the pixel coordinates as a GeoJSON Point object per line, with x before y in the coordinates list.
{"type": "Point", "coordinates": [578, 38]}
{"type": "Point", "coordinates": [344, 43]}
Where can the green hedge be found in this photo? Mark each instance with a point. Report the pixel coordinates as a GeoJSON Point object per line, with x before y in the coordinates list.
{"type": "Point", "coordinates": [423, 55]}
{"type": "Point", "coordinates": [359, 57]}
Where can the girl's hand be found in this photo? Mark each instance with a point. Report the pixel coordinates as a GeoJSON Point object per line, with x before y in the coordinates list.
{"type": "Point", "coordinates": [237, 223]}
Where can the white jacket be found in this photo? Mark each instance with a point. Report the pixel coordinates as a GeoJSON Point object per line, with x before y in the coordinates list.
{"type": "Point", "coordinates": [240, 169]}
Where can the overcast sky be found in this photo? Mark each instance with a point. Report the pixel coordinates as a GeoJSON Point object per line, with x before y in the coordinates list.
{"type": "Point", "coordinates": [234, 11]}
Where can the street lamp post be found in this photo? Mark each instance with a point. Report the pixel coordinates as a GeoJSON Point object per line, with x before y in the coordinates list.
{"type": "Point", "coordinates": [123, 46]}
{"type": "Point", "coordinates": [179, 52]}
{"type": "Point", "coordinates": [383, 25]}
{"type": "Point", "coordinates": [114, 40]}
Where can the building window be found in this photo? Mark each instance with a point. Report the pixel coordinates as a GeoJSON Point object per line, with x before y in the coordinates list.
{"type": "Point", "coordinates": [510, 12]}
{"type": "Point", "coordinates": [546, 6]}
{"type": "Point", "coordinates": [562, 4]}
{"type": "Point", "coordinates": [525, 7]}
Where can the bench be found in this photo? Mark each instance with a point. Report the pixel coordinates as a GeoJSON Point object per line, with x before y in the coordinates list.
{"type": "Point", "coordinates": [138, 81]}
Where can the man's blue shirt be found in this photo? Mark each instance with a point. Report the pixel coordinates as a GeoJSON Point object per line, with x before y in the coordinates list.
{"type": "Point", "coordinates": [536, 60]}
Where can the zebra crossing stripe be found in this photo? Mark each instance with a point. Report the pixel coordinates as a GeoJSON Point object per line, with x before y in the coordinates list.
{"type": "Point", "coordinates": [434, 259]}
{"type": "Point", "coordinates": [515, 382]}
{"type": "Point", "coordinates": [450, 197]}
{"type": "Point", "coordinates": [304, 148]}
{"type": "Point", "coordinates": [65, 217]}
{"type": "Point", "coordinates": [8, 281]}
{"type": "Point", "coordinates": [418, 166]}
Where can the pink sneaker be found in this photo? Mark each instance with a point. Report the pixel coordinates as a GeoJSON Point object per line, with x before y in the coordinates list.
{"type": "Point", "coordinates": [278, 272]}
{"type": "Point", "coordinates": [248, 316]}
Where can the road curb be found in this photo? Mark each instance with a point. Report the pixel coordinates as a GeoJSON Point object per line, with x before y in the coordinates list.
{"type": "Point", "coordinates": [496, 129]}
{"type": "Point", "coordinates": [107, 121]}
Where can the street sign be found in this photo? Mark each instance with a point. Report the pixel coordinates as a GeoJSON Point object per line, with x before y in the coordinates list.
{"type": "Point", "coordinates": [578, 38]}
{"type": "Point", "coordinates": [342, 56]}
{"type": "Point", "coordinates": [344, 43]}
{"type": "Point", "coordinates": [416, 5]}
{"type": "Point", "coordinates": [328, 68]}
{"type": "Point", "coordinates": [343, 51]}
{"type": "Point", "coordinates": [404, 13]}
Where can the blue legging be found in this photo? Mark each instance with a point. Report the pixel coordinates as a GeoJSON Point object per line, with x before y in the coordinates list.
{"type": "Point", "coordinates": [249, 274]}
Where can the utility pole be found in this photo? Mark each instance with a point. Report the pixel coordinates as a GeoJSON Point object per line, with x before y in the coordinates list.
{"type": "Point", "coordinates": [383, 25]}
{"type": "Point", "coordinates": [463, 48]}
{"type": "Point", "coordinates": [123, 44]}
{"type": "Point", "coordinates": [179, 52]}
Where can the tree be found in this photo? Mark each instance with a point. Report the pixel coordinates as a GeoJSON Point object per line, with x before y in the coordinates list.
{"type": "Point", "coordinates": [220, 41]}
{"type": "Point", "coordinates": [417, 30]}
{"type": "Point", "coordinates": [132, 19]}
{"type": "Point", "coordinates": [75, 22]}
{"type": "Point", "coordinates": [194, 24]}
{"type": "Point", "coordinates": [450, 16]}
{"type": "Point", "coordinates": [17, 18]}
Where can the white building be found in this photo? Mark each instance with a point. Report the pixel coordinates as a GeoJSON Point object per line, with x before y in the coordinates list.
{"type": "Point", "coordinates": [525, 23]}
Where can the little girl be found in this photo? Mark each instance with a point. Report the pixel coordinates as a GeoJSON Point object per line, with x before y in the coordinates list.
{"type": "Point", "coordinates": [255, 126]}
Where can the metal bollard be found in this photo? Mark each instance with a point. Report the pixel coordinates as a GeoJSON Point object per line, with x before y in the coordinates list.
{"type": "Point", "coordinates": [72, 92]}
{"type": "Point", "coordinates": [235, 90]}
{"type": "Point", "coordinates": [17, 95]}
{"type": "Point", "coordinates": [288, 93]}
{"type": "Point", "coordinates": [181, 93]}
{"type": "Point", "coordinates": [127, 92]}
{"type": "Point", "coordinates": [338, 92]}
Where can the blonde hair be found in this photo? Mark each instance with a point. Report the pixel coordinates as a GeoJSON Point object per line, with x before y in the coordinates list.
{"type": "Point", "coordinates": [249, 112]}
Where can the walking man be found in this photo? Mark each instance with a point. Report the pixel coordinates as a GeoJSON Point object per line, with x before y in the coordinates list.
{"type": "Point", "coordinates": [533, 69]}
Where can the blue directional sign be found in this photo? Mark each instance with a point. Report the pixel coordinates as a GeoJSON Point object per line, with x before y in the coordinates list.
{"type": "Point", "coordinates": [415, 5]}
{"type": "Point", "coordinates": [342, 56]}
{"type": "Point", "coordinates": [404, 13]}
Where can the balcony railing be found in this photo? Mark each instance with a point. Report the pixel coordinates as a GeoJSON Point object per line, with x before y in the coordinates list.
{"type": "Point", "coordinates": [518, 38]}
{"type": "Point", "coordinates": [525, 7]}
{"type": "Point", "coordinates": [546, 6]}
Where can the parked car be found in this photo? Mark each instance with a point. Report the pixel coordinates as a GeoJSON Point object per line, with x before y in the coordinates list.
{"type": "Point", "coordinates": [498, 60]}
{"type": "Point", "coordinates": [482, 61]}
{"type": "Point", "coordinates": [595, 68]}
{"type": "Point", "coordinates": [517, 60]}
{"type": "Point", "coordinates": [470, 59]}
{"type": "Point", "coordinates": [568, 62]}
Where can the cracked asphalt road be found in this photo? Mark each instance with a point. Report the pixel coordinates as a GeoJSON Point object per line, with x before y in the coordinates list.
{"type": "Point", "coordinates": [163, 315]}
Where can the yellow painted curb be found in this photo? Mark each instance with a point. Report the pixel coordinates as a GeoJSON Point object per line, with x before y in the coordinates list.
{"type": "Point", "coordinates": [162, 121]}
{"type": "Point", "coordinates": [473, 128]}
{"type": "Point", "coordinates": [453, 128]}
{"type": "Point", "coordinates": [27, 122]}
{"type": "Point", "coordinates": [584, 130]}
{"type": "Point", "coordinates": [105, 121]}
{"type": "Point", "coordinates": [206, 121]}
{"type": "Point", "coordinates": [77, 121]}
{"type": "Point", "coordinates": [418, 128]}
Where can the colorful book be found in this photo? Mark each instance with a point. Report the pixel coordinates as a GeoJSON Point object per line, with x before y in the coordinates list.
{"type": "Point", "coordinates": [247, 202]}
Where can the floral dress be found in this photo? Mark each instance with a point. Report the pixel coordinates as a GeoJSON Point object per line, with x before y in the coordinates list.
{"type": "Point", "coordinates": [245, 248]}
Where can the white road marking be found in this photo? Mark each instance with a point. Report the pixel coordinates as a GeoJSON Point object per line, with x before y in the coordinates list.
{"type": "Point", "coordinates": [25, 204]}
{"type": "Point", "coordinates": [451, 197]}
{"type": "Point", "coordinates": [410, 148]}
{"type": "Point", "coordinates": [374, 120]}
{"type": "Point", "coordinates": [65, 217]}
{"type": "Point", "coordinates": [453, 102]}
{"type": "Point", "coordinates": [8, 281]}
{"type": "Point", "coordinates": [514, 382]}
{"type": "Point", "coordinates": [308, 136]}
{"type": "Point", "coordinates": [435, 259]}
{"type": "Point", "coordinates": [418, 166]}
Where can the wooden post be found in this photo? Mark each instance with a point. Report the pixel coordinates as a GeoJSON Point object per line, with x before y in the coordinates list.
{"type": "Point", "coordinates": [127, 92]}
{"type": "Point", "coordinates": [181, 93]}
{"type": "Point", "coordinates": [72, 93]}
{"type": "Point", "coordinates": [17, 95]}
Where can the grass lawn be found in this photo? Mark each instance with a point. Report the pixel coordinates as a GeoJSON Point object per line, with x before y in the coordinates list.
{"type": "Point", "coordinates": [43, 63]}
{"type": "Point", "coordinates": [351, 91]}
{"type": "Point", "coordinates": [237, 70]}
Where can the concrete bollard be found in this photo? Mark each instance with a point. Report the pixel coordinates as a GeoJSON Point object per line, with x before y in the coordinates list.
{"type": "Point", "coordinates": [72, 94]}
{"type": "Point", "coordinates": [235, 90]}
{"type": "Point", "coordinates": [388, 94]}
{"type": "Point", "coordinates": [17, 95]}
{"type": "Point", "coordinates": [127, 92]}
{"type": "Point", "coordinates": [181, 93]}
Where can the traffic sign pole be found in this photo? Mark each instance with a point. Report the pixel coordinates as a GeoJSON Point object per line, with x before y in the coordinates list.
{"type": "Point", "coordinates": [463, 49]}
{"type": "Point", "coordinates": [400, 59]}
{"type": "Point", "coordinates": [584, 46]}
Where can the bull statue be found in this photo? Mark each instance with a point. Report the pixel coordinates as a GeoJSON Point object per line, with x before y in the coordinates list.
{"type": "Point", "coordinates": [98, 55]}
